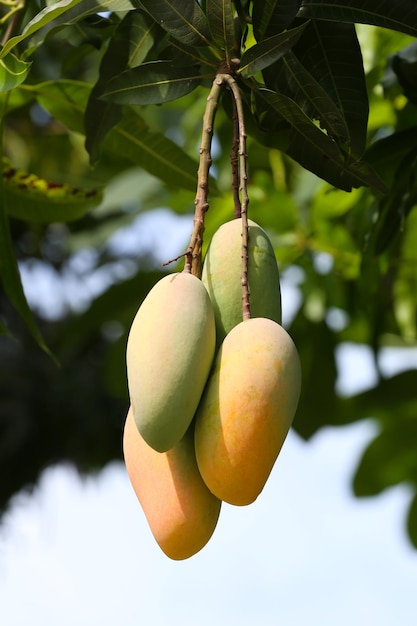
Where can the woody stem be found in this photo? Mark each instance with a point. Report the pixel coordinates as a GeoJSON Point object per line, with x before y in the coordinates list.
{"type": "Point", "coordinates": [193, 255]}
{"type": "Point", "coordinates": [243, 189]}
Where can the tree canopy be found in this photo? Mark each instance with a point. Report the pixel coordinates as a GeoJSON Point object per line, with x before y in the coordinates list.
{"type": "Point", "coordinates": [103, 103]}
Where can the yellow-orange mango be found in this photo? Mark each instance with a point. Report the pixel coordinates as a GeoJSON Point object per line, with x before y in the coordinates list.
{"type": "Point", "coordinates": [181, 512]}
{"type": "Point", "coordinates": [169, 353]}
{"type": "Point", "coordinates": [247, 409]}
{"type": "Point", "coordinates": [222, 275]}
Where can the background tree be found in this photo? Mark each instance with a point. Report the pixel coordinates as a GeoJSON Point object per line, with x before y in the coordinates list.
{"type": "Point", "coordinates": [102, 106]}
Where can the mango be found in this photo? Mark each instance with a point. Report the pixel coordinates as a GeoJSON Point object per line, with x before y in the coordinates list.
{"type": "Point", "coordinates": [170, 350]}
{"type": "Point", "coordinates": [247, 409]}
{"type": "Point", "coordinates": [181, 512]}
{"type": "Point", "coordinates": [222, 275]}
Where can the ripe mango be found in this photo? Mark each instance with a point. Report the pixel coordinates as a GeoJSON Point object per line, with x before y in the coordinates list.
{"type": "Point", "coordinates": [222, 275]}
{"type": "Point", "coordinates": [247, 409]}
{"type": "Point", "coordinates": [181, 512]}
{"type": "Point", "coordinates": [169, 353]}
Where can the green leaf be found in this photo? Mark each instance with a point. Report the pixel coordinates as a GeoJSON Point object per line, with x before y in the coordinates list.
{"type": "Point", "coordinates": [12, 72]}
{"type": "Point", "coordinates": [395, 15]}
{"type": "Point", "coordinates": [316, 151]}
{"type": "Point", "coordinates": [404, 64]}
{"type": "Point", "coordinates": [65, 100]}
{"type": "Point", "coordinates": [291, 76]}
{"type": "Point", "coordinates": [270, 17]}
{"type": "Point", "coordinates": [331, 54]}
{"type": "Point", "coordinates": [33, 199]}
{"type": "Point", "coordinates": [61, 14]}
{"type": "Point", "coordinates": [133, 39]}
{"type": "Point", "coordinates": [390, 458]}
{"type": "Point", "coordinates": [387, 153]}
{"type": "Point", "coordinates": [394, 208]}
{"type": "Point", "coordinates": [92, 30]}
{"type": "Point", "coordinates": [412, 521]}
{"type": "Point", "coordinates": [221, 23]}
{"type": "Point", "coordinates": [263, 54]}
{"type": "Point", "coordinates": [318, 401]}
{"type": "Point", "coordinates": [130, 141]}
{"type": "Point", "coordinates": [14, 99]}
{"type": "Point", "coordinates": [10, 276]}
{"type": "Point", "coordinates": [183, 19]}
{"type": "Point", "coordinates": [42, 19]}
{"type": "Point", "coordinates": [405, 286]}
{"type": "Point", "coordinates": [155, 82]}
{"type": "Point", "coordinates": [381, 402]}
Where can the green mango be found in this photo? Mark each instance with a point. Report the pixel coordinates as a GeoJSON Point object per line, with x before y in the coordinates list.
{"type": "Point", "coordinates": [222, 276]}
{"type": "Point", "coordinates": [169, 353]}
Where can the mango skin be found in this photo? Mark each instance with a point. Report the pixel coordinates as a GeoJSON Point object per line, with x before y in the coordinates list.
{"type": "Point", "coordinates": [181, 512]}
{"type": "Point", "coordinates": [247, 409]}
{"type": "Point", "coordinates": [222, 276]}
{"type": "Point", "coordinates": [170, 350]}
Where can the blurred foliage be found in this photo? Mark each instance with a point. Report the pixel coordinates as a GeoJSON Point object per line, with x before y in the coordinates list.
{"type": "Point", "coordinates": [332, 157]}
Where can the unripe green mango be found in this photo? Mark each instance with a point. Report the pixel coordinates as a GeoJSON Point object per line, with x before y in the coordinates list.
{"type": "Point", "coordinates": [222, 275]}
{"type": "Point", "coordinates": [247, 409]}
{"type": "Point", "coordinates": [169, 353]}
{"type": "Point", "coordinates": [181, 512]}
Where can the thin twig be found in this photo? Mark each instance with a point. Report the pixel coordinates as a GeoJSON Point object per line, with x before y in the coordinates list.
{"type": "Point", "coordinates": [234, 161]}
{"type": "Point", "coordinates": [193, 254]}
{"type": "Point", "coordinates": [244, 197]}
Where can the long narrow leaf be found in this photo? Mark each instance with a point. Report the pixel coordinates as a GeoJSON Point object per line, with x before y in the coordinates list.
{"type": "Point", "coordinates": [387, 153]}
{"type": "Point", "coordinates": [65, 101]}
{"type": "Point", "coordinates": [395, 15]}
{"type": "Point", "coordinates": [220, 19]}
{"type": "Point", "coordinates": [152, 83]}
{"type": "Point", "coordinates": [404, 64]}
{"type": "Point", "coordinates": [263, 54]}
{"type": "Point", "coordinates": [183, 19]}
{"type": "Point", "coordinates": [291, 77]}
{"type": "Point", "coordinates": [293, 114]}
{"type": "Point", "coordinates": [331, 54]}
{"type": "Point", "coordinates": [394, 208]}
{"type": "Point", "coordinates": [60, 14]}
{"type": "Point", "coordinates": [152, 151]}
{"type": "Point", "coordinates": [273, 16]}
{"type": "Point", "coordinates": [10, 275]}
{"type": "Point", "coordinates": [133, 39]}
{"type": "Point", "coordinates": [129, 141]}
{"type": "Point", "coordinates": [315, 151]}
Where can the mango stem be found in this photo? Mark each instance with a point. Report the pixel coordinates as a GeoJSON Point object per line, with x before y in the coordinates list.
{"type": "Point", "coordinates": [234, 162]}
{"type": "Point", "coordinates": [193, 255]}
{"type": "Point", "coordinates": [243, 189]}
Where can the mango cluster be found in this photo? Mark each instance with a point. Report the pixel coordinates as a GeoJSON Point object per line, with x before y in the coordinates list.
{"type": "Point", "coordinates": [212, 397]}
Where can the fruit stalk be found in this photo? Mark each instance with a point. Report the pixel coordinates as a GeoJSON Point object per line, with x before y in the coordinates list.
{"type": "Point", "coordinates": [193, 255]}
{"type": "Point", "coordinates": [234, 162]}
{"type": "Point", "coordinates": [244, 197]}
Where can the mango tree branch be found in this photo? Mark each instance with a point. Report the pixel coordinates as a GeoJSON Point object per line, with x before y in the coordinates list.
{"type": "Point", "coordinates": [234, 161]}
{"type": "Point", "coordinates": [243, 188]}
{"type": "Point", "coordinates": [193, 255]}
